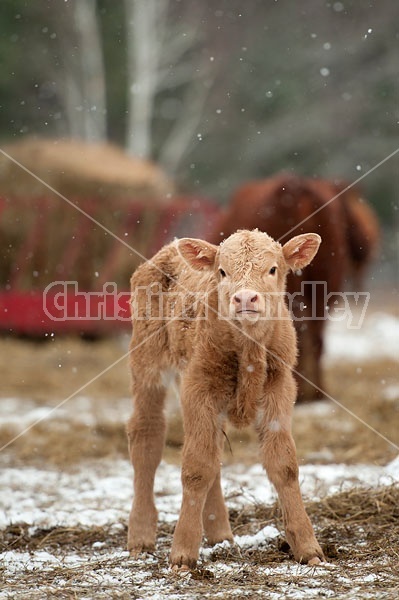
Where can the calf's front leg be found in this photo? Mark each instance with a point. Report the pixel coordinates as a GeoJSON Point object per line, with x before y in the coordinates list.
{"type": "Point", "coordinates": [278, 454]}
{"type": "Point", "coordinates": [279, 460]}
{"type": "Point", "coordinates": [200, 467]}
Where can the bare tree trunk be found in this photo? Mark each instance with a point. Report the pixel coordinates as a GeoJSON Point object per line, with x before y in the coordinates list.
{"type": "Point", "coordinates": [81, 80]}
{"type": "Point", "coordinates": [92, 70]}
{"type": "Point", "coordinates": [73, 102]}
{"type": "Point", "coordinates": [142, 67]}
{"type": "Point", "coordinates": [163, 57]}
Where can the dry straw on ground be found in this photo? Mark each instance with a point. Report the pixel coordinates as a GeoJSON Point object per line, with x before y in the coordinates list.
{"type": "Point", "coordinates": [358, 530]}
{"type": "Point", "coordinates": [48, 372]}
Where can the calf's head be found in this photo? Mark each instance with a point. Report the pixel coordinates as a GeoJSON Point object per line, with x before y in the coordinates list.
{"type": "Point", "coordinates": [249, 270]}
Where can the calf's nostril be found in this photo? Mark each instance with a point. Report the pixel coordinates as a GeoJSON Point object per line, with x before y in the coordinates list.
{"type": "Point", "coordinates": [245, 298]}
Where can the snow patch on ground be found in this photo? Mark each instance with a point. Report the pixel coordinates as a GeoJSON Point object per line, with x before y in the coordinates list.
{"type": "Point", "coordinates": [100, 493]}
{"type": "Point", "coordinates": [378, 337]}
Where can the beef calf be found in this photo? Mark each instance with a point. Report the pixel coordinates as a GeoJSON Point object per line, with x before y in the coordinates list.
{"type": "Point", "coordinates": [216, 314]}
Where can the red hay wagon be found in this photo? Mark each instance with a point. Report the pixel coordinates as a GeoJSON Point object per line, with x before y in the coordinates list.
{"type": "Point", "coordinates": [62, 272]}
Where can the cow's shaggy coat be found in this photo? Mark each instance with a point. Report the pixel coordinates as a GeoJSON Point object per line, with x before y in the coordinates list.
{"type": "Point", "coordinates": [349, 231]}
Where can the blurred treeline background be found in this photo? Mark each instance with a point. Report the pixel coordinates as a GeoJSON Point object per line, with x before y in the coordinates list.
{"type": "Point", "coordinates": [215, 92]}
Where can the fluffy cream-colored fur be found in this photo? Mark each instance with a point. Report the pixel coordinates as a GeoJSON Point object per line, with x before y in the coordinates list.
{"type": "Point", "coordinates": [217, 316]}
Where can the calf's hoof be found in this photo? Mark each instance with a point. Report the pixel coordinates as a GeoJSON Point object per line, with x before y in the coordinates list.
{"type": "Point", "coordinates": [182, 571]}
{"type": "Point", "coordinates": [312, 556]}
{"type": "Point", "coordinates": [141, 536]}
{"type": "Point", "coordinates": [135, 550]}
{"type": "Point", "coordinates": [217, 539]}
{"type": "Point", "coordinates": [139, 543]}
{"type": "Point", "coordinates": [181, 561]}
{"type": "Point", "coordinates": [314, 561]}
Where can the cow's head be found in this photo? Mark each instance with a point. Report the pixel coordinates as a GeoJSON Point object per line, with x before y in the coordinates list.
{"type": "Point", "coordinates": [250, 270]}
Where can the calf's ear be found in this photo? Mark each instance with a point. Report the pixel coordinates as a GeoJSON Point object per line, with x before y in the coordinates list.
{"type": "Point", "coordinates": [199, 254]}
{"type": "Point", "coordinates": [301, 250]}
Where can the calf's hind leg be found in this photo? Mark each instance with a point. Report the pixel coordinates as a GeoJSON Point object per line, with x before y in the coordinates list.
{"type": "Point", "coordinates": [146, 435]}
{"type": "Point", "coordinates": [215, 516]}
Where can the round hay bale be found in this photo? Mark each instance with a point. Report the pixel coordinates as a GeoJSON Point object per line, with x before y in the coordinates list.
{"type": "Point", "coordinates": [45, 237]}
{"type": "Point", "coordinates": [75, 168]}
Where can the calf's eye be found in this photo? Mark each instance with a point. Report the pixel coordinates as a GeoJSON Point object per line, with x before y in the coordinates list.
{"type": "Point", "coordinates": [272, 270]}
{"type": "Point", "coordinates": [222, 273]}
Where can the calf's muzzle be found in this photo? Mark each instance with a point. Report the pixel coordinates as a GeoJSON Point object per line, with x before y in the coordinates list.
{"type": "Point", "coordinates": [247, 302]}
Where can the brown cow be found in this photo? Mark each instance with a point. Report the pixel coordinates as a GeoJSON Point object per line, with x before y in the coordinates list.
{"type": "Point", "coordinates": [217, 315]}
{"type": "Point", "coordinates": [281, 204]}
{"type": "Point", "coordinates": [362, 232]}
